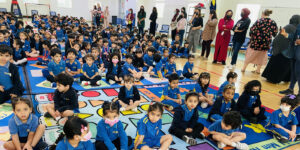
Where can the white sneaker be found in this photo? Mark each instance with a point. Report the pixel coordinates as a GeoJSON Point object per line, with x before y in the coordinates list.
{"type": "Point", "coordinates": [221, 145]}
{"type": "Point", "coordinates": [242, 146]}
{"type": "Point", "coordinates": [98, 83]}
{"type": "Point", "coordinates": [57, 118]}
{"type": "Point", "coordinates": [204, 105]}
{"type": "Point", "coordinates": [122, 109]}
{"type": "Point", "coordinates": [135, 109]}
{"type": "Point", "coordinates": [103, 74]}
{"type": "Point", "coordinates": [111, 82]}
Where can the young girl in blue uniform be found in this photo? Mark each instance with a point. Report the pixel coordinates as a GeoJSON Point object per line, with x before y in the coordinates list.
{"type": "Point", "coordinates": [75, 136]}
{"type": "Point", "coordinates": [283, 125]}
{"type": "Point", "coordinates": [188, 68]}
{"type": "Point", "coordinates": [110, 132]}
{"type": "Point", "coordinates": [175, 48]}
{"type": "Point", "coordinates": [148, 59]}
{"type": "Point", "coordinates": [26, 133]}
{"type": "Point", "coordinates": [157, 69]}
{"type": "Point", "coordinates": [46, 54]}
{"type": "Point", "coordinates": [201, 87]}
{"type": "Point", "coordinates": [223, 104]}
{"type": "Point", "coordinates": [230, 79]}
{"type": "Point", "coordinates": [114, 70]}
{"type": "Point", "coordinates": [26, 47]}
{"type": "Point", "coordinates": [148, 130]}
{"type": "Point", "coordinates": [128, 68]}
{"type": "Point", "coordinates": [19, 56]}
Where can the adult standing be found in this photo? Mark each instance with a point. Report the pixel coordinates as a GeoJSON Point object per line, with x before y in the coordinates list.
{"type": "Point", "coordinates": [130, 18]}
{"type": "Point", "coordinates": [240, 30]}
{"type": "Point", "coordinates": [106, 16]}
{"type": "Point", "coordinates": [98, 14]}
{"type": "Point", "coordinates": [261, 36]}
{"type": "Point", "coordinates": [279, 66]}
{"type": "Point", "coordinates": [209, 33]}
{"type": "Point", "coordinates": [223, 38]}
{"type": "Point", "coordinates": [181, 24]}
{"type": "Point", "coordinates": [93, 12]}
{"type": "Point", "coordinates": [141, 20]}
{"type": "Point", "coordinates": [173, 24]}
{"type": "Point", "coordinates": [153, 18]}
{"type": "Point", "coordinates": [194, 33]}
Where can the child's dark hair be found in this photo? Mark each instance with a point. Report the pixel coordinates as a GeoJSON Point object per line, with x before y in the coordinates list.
{"type": "Point", "coordinates": [47, 43]}
{"type": "Point", "coordinates": [166, 50]}
{"type": "Point", "coordinates": [248, 87]}
{"type": "Point", "coordinates": [156, 106]}
{"type": "Point", "coordinates": [176, 42]}
{"type": "Point", "coordinates": [71, 50]}
{"type": "Point", "coordinates": [110, 106]}
{"type": "Point", "coordinates": [17, 100]}
{"type": "Point", "coordinates": [139, 51]}
{"type": "Point", "coordinates": [232, 118]}
{"type": "Point", "coordinates": [115, 54]}
{"type": "Point", "coordinates": [171, 55]}
{"type": "Point", "coordinates": [191, 94]}
{"type": "Point", "coordinates": [173, 76]}
{"type": "Point", "coordinates": [129, 56]}
{"type": "Point", "coordinates": [229, 86]}
{"type": "Point", "coordinates": [5, 49]}
{"type": "Point", "coordinates": [128, 78]}
{"type": "Point", "coordinates": [186, 42]}
{"type": "Point", "coordinates": [232, 75]}
{"type": "Point", "coordinates": [151, 49]}
{"type": "Point", "coordinates": [290, 100]}
{"type": "Point", "coordinates": [19, 42]}
{"type": "Point", "coordinates": [191, 56]}
{"type": "Point", "coordinates": [64, 79]}
{"type": "Point", "coordinates": [89, 56]}
{"type": "Point", "coordinates": [72, 127]}
{"type": "Point", "coordinates": [204, 75]}
{"type": "Point", "coordinates": [156, 58]}
{"type": "Point", "coordinates": [55, 51]}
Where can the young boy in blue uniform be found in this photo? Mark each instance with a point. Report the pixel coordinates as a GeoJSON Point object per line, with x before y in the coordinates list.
{"type": "Point", "coordinates": [65, 98]}
{"type": "Point", "coordinates": [283, 125]}
{"type": "Point", "coordinates": [2, 38]}
{"type": "Point", "coordinates": [10, 84]}
{"type": "Point", "coordinates": [162, 46]}
{"type": "Point", "coordinates": [148, 59]}
{"type": "Point", "coordinates": [157, 70]}
{"type": "Point", "coordinates": [55, 66]}
{"type": "Point", "coordinates": [46, 54]}
{"type": "Point", "coordinates": [73, 66]}
{"type": "Point", "coordinates": [231, 79]}
{"type": "Point", "coordinates": [175, 48]}
{"type": "Point", "coordinates": [90, 72]}
{"type": "Point", "coordinates": [188, 69]}
{"type": "Point", "coordinates": [171, 67]}
{"type": "Point", "coordinates": [185, 123]}
{"type": "Point", "coordinates": [226, 131]}
{"type": "Point", "coordinates": [128, 68]}
{"type": "Point", "coordinates": [171, 93]}
{"type": "Point", "coordinates": [223, 104]}
{"type": "Point", "coordinates": [184, 51]}
{"type": "Point", "coordinates": [164, 59]}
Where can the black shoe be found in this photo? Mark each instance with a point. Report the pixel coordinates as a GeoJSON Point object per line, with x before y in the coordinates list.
{"type": "Point", "coordinates": [297, 138]}
{"type": "Point", "coordinates": [201, 136]}
{"type": "Point", "coordinates": [47, 115]}
{"type": "Point", "coordinates": [223, 63]}
{"type": "Point", "coordinates": [142, 77]}
{"type": "Point", "coordinates": [41, 145]}
{"type": "Point", "coordinates": [214, 62]}
{"type": "Point", "coordinates": [253, 120]}
{"type": "Point", "coordinates": [181, 78]}
{"type": "Point", "coordinates": [281, 139]}
{"type": "Point", "coordinates": [38, 63]}
{"type": "Point", "coordinates": [287, 91]}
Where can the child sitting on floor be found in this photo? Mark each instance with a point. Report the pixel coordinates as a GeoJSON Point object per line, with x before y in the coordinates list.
{"type": "Point", "coordinates": [226, 131]}
{"type": "Point", "coordinates": [114, 70]}
{"type": "Point", "coordinates": [171, 67]}
{"type": "Point", "coordinates": [19, 56]}
{"type": "Point", "coordinates": [231, 79]}
{"type": "Point", "coordinates": [202, 88]}
{"type": "Point", "coordinates": [188, 68]}
{"type": "Point", "coordinates": [65, 98]}
{"type": "Point", "coordinates": [185, 123]}
{"type": "Point", "coordinates": [46, 54]}
{"type": "Point", "coordinates": [283, 125]}
{"type": "Point", "coordinates": [175, 48]}
{"type": "Point", "coordinates": [223, 104]}
{"type": "Point", "coordinates": [129, 96]}
{"type": "Point", "coordinates": [138, 61]}
{"type": "Point", "coordinates": [128, 68]}
{"type": "Point", "coordinates": [73, 66]}
{"type": "Point", "coordinates": [90, 72]}
{"type": "Point", "coordinates": [148, 60]}
{"type": "Point", "coordinates": [98, 61]}
{"type": "Point", "coordinates": [171, 93]}
{"type": "Point", "coordinates": [184, 51]}
{"type": "Point", "coordinates": [156, 72]}
{"type": "Point", "coordinates": [249, 103]}
{"type": "Point", "coordinates": [148, 130]}
{"type": "Point", "coordinates": [110, 132]}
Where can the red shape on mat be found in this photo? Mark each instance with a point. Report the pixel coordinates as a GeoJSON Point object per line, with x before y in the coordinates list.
{"type": "Point", "coordinates": [110, 92]}
{"type": "Point", "coordinates": [90, 94]}
{"type": "Point", "coordinates": [33, 58]}
{"type": "Point", "coordinates": [50, 96]}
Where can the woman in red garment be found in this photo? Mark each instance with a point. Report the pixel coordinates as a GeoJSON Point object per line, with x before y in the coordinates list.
{"type": "Point", "coordinates": [223, 37]}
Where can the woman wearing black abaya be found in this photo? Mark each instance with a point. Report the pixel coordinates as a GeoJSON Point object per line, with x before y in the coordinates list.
{"type": "Point", "coordinates": [279, 68]}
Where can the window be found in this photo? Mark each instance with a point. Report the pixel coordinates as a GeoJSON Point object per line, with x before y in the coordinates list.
{"type": "Point", "coordinates": [2, 1]}
{"type": "Point", "coordinates": [31, 1]}
{"type": "Point", "coordinates": [254, 9]}
{"type": "Point", "coordinates": [160, 9]}
{"type": "Point", "coordinates": [64, 3]}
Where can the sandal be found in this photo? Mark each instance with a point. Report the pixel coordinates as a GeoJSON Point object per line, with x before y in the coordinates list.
{"type": "Point", "coordinates": [254, 71]}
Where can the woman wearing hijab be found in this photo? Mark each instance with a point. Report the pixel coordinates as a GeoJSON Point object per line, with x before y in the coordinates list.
{"type": "Point", "coordinates": [130, 18]}
{"type": "Point", "coordinates": [181, 23]}
{"type": "Point", "coordinates": [94, 12]}
{"type": "Point", "coordinates": [260, 39]}
{"type": "Point", "coordinates": [194, 33]}
{"type": "Point", "coordinates": [106, 16]}
{"type": "Point", "coordinates": [98, 14]}
{"type": "Point", "coordinates": [173, 24]}
{"type": "Point", "coordinates": [141, 20]}
{"type": "Point", "coordinates": [223, 38]}
{"type": "Point", "coordinates": [240, 31]}
{"type": "Point", "coordinates": [153, 18]}
{"type": "Point", "coordinates": [279, 66]}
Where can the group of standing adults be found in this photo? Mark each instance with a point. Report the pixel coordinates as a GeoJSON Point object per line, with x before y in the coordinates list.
{"type": "Point", "coordinates": [97, 13]}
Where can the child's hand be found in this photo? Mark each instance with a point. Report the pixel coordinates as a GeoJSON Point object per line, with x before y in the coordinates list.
{"type": "Point", "coordinates": [1, 88]}
{"type": "Point", "coordinates": [131, 102]}
{"type": "Point", "coordinates": [179, 101]}
{"type": "Point", "coordinates": [27, 147]}
{"type": "Point", "coordinates": [292, 135]}
{"type": "Point", "coordinates": [256, 110]}
{"type": "Point", "coordinates": [188, 130]}
{"type": "Point", "coordinates": [13, 95]}
{"type": "Point", "coordinates": [57, 113]}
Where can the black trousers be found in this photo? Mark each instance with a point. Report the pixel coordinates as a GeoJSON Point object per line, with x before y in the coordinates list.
{"type": "Point", "coordinates": [152, 28]}
{"type": "Point", "coordinates": [173, 34]}
{"type": "Point", "coordinates": [4, 96]}
{"type": "Point", "coordinates": [98, 21]}
{"type": "Point", "coordinates": [189, 75]}
{"type": "Point", "coordinates": [179, 132]}
{"type": "Point", "coordinates": [130, 27]}
{"type": "Point", "coordinates": [206, 48]}
{"type": "Point", "coordinates": [50, 78]}
{"type": "Point", "coordinates": [100, 145]}
{"type": "Point", "coordinates": [112, 76]}
{"type": "Point", "coordinates": [93, 81]}
{"type": "Point", "coordinates": [260, 117]}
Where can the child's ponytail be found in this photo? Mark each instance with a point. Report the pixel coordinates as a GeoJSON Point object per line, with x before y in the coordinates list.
{"type": "Point", "coordinates": [60, 137]}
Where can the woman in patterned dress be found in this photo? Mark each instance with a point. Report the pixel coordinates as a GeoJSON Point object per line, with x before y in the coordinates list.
{"type": "Point", "coordinates": [261, 36]}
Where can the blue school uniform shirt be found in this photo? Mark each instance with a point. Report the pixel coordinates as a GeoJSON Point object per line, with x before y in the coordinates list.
{"type": "Point", "coordinates": [98, 62]}
{"type": "Point", "coordinates": [155, 45]}
{"type": "Point", "coordinates": [225, 107]}
{"type": "Point", "coordinates": [129, 93]}
{"type": "Point", "coordinates": [60, 34]}
{"type": "Point", "coordinates": [221, 89]}
{"type": "Point", "coordinates": [107, 134]}
{"type": "Point", "coordinates": [170, 67]}
{"type": "Point", "coordinates": [252, 100]}
{"type": "Point", "coordinates": [56, 68]}
{"type": "Point", "coordinates": [216, 126]}
{"type": "Point", "coordinates": [16, 126]}
{"type": "Point", "coordinates": [297, 112]}
{"type": "Point", "coordinates": [90, 70]}
{"type": "Point", "coordinates": [187, 66]}
{"type": "Point", "coordinates": [115, 70]}
{"type": "Point", "coordinates": [148, 59]}
{"type": "Point", "coordinates": [277, 117]}
{"type": "Point", "coordinates": [158, 67]}
{"type": "Point", "coordinates": [198, 89]}
{"type": "Point", "coordinates": [161, 48]}
{"type": "Point", "coordinates": [5, 79]}
{"type": "Point", "coordinates": [74, 66]}
{"type": "Point", "coordinates": [13, 28]}
{"type": "Point", "coordinates": [78, 56]}
{"type": "Point", "coordinates": [176, 50]}
{"type": "Point", "coordinates": [5, 42]}
{"type": "Point", "coordinates": [18, 54]}
{"type": "Point", "coordinates": [26, 46]}
{"type": "Point", "coordinates": [65, 145]}
{"type": "Point", "coordinates": [148, 129]}
{"type": "Point", "coordinates": [172, 93]}
{"type": "Point", "coordinates": [126, 67]}
{"type": "Point", "coordinates": [187, 113]}
{"type": "Point", "coordinates": [164, 60]}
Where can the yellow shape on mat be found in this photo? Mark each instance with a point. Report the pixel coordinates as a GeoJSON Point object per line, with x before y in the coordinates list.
{"type": "Point", "coordinates": [84, 116]}
{"type": "Point", "coordinates": [145, 107]}
{"type": "Point", "coordinates": [258, 128]}
{"type": "Point", "coordinates": [129, 112]}
{"type": "Point", "coordinates": [100, 112]}
{"type": "Point", "coordinates": [50, 122]}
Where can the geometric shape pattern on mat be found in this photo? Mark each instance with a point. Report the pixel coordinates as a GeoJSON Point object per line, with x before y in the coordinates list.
{"type": "Point", "coordinates": [204, 146]}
